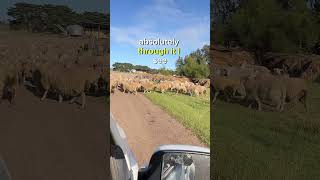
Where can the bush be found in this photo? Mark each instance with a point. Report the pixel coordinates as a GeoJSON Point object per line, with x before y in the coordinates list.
{"type": "Point", "coordinates": [195, 65]}
{"type": "Point", "coordinates": [274, 25]}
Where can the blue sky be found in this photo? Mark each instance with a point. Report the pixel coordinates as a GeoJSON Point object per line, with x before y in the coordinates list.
{"type": "Point", "coordinates": [185, 20]}
{"type": "Point", "coordinates": [78, 5]}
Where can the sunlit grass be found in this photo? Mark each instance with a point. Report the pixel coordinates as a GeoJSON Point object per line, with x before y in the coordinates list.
{"type": "Point", "coordinates": [192, 112]}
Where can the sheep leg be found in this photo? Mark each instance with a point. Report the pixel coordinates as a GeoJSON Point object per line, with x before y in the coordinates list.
{"type": "Point", "coordinates": [83, 96]}
{"type": "Point", "coordinates": [283, 102]}
{"type": "Point", "coordinates": [303, 100]}
{"type": "Point", "coordinates": [12, 98]}
{"type": "Point", "coordinates": [215, 97]}
{"type": "Point", "coordinates": [279, 106]}
{"type": "Point", "coordinates": [60, 98]}
{"type": "Point", "coordinates": [258, 102]}
{"type": "Point", "coordinates": [44, 95]}
{"type": "Point", "coordinates": [282, 107]}
{"type": "Point", "coordinates": [259, 105]}
{"type": "Point", "coordinates": [73, 100]}
{"type": "Point", "coordinates": [234, 93]}
{"type": "Point", "coordinates": [305, 105]}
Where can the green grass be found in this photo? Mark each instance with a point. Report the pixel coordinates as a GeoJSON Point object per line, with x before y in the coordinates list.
{"type": "Point", "coordinates": [192, 112]}
{"type": "Point", "coordinates": [267, 145]}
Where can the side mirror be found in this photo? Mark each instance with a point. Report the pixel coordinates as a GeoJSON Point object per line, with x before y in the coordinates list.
{"type": "Point", "coordinates": [178, 162]}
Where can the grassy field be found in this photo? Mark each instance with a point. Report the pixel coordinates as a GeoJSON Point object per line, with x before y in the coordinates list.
{"type": "Point", "coordinates": [267, 145]}
{"type": "Point", "coordinates": [192, 112]}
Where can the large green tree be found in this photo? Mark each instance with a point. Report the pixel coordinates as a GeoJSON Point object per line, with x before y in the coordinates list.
{"type": "Point", "coordinates": [44, 18]}
{"type": "Point", "coordinates": [271, 25]}
{"type": "Point", "coordinates": [195, 65]}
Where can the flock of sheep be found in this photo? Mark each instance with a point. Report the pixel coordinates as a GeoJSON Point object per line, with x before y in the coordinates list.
{"type": "Point", "coordinates": [145, 82]}
{"type": "Point", "coordinates": [72, 68]}
{"type": "Point", "coordinates": [62, 68]}
{"type": "Point", "coordinates": [257, 86]}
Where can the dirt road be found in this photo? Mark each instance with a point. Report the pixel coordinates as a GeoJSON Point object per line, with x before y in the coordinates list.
{"type": "Point", "coordinates": [47, 140]}
{"type": "Point", "coordinates": [147, 126]}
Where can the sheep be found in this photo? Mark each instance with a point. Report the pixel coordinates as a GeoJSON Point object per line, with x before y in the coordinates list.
{"type": "Point", "coordinates": [191, 89]}
{"type": "Point", "coordinates": [296, 88]}
{"type": "Point", "coordinates": [112, 86]}
{"type": "Point", "coordinates": [72, 82]}
{"type": "Point", "coordinates": [163, 87]}
{"type": "Point", "coordinates": [269, 90]}
{"type": "Point", "coordinates": [297, 91]}
{"type": "Point", "coordinates": [201, 89]}
{"type": "Point", "coordinates": [147, 87]}
{"type": "Point", "coordinates": [197, 90]}
{"type": "Point", "coordinates": [8, 82]}
{"type": "Point", "coordinates": [181, 88]}
{"type": "Point", "coordinates": [236, 72]}
{"type": "Point", "coordinates": [255, 68]}
{"type": "Point", "coordinates": [130, 87]}
{"type": "Point", "coordinates": [227, 85]}
{"type": "Point", "coordinates": [144, 82]}
{"type": "Point", "coordinates": [48, 75]}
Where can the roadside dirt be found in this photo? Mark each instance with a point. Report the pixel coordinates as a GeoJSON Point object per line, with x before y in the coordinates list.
{"type": "Point", "coordinates": [147, 126]}
{"type": "Point", "coordinates": [48, 140]}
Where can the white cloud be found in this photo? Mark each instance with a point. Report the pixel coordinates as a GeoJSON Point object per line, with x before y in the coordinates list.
{"type": "Point", "coordinates": [164, 19]}
{"type": "Point", "coordinates": [132, 35]}
{"type": "Point", "coordinates": [194, 35]}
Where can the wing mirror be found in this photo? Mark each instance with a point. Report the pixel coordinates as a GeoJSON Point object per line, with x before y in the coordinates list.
{"type": "Point", "coordinates": [178, 162]}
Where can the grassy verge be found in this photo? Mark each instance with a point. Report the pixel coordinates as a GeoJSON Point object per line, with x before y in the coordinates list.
{"type": "Point", "coordinates": [192, 112]}
{"type": "Point", "coordinates": [267, 145]}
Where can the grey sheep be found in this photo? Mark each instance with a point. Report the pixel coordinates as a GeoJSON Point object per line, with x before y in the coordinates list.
{"type": "Point", "coordinates": [265, 89]}
{"type": "Point", "coordinates": [70, 82]}
{"type": "Point", "coordinates": [224, 85]}
{"type": "Point", "coordinates": [8, 82]}
{"type": "Point", "coordinates": [296, 89]}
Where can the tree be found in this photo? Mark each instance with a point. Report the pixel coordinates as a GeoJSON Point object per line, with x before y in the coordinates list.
{"type": "Point", "coordinates": [123, 67]}
{"type": "Point", "coordinates": [273, 25]}
{"type": "Point", "coordinates": [44, 18]}
{"type": "Point", "coordinates": [193, 69]}
{"type": "Point", "coordinates": [165, 71]}
{"type": "Point", "coordinates": [179, 66]}
{"type": "Point", "coordinates": [195, 65]}
{"type": "Point", "coordinates": [94, 17]}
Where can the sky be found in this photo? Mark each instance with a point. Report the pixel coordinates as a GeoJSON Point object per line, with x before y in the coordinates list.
{"type": "Point", "coordinates": [185, 20]}
{"type": "Point", "coordinates": [78, 5]}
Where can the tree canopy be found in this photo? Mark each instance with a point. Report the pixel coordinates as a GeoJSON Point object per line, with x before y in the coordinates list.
{"type": "Point", "coordinates": [43, 18]}
{"type": "Point", "coordinates": [127, 67]}
{"type": "Point", "coordinates": [291, 26]}
{"type": "Point", "coordinates": [195, 65]}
